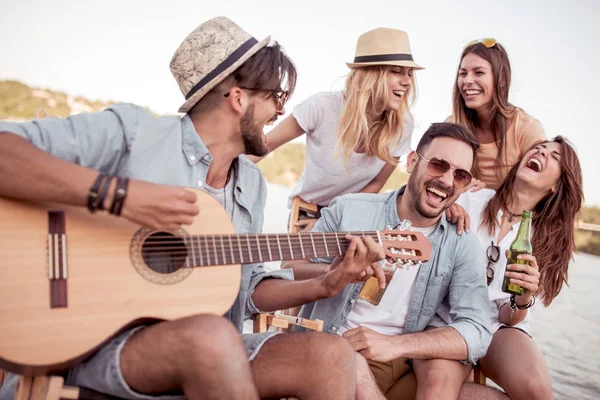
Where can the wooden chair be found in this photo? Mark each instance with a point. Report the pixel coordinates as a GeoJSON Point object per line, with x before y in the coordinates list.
{"type": "Point", "coordinates": [300, 210]}
{"type": "Point", "coordinates": [281, 322]}
{"type": "Point", "coordinates": [478, 376]}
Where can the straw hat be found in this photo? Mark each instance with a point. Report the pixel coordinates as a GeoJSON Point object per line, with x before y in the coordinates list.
{"type": "Point", "coordinates": [383, 46]}
{"type": "Point", "coordinates": [210, 54]}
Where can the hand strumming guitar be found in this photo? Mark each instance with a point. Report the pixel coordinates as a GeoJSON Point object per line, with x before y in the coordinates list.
{"type": "Point", "coordinates": [157, 206]}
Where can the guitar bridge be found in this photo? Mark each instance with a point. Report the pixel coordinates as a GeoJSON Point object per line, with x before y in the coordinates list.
{"type": "Point", "coordinates": [57, 259]}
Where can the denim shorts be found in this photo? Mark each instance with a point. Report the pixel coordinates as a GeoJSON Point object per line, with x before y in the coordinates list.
{"type": "Point", "coordinates": [102, 372]}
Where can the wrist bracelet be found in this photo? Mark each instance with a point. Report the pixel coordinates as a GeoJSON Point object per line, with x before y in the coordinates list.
{"type": "Point", "coordinates": [514, 305]}
{"type": "Point", "coordinates": [119, 196]}
{"type": "Point", "coordinates": [103, 192]}
{"type": "Point", "coordinates": [92, 203]}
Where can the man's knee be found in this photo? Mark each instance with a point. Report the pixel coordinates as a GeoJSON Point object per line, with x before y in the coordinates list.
{"type": "Point", "coordinates": [317, 350]}
{"type": "Point", "coordinates": [207, 335]}
{"type": "Point", "coordinates": [435, 381]}
{"type": "Point", "coordinates": [332, 348]}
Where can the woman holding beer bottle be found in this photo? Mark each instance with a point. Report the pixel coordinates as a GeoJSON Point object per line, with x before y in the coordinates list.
{"type": "Point", "coordinates": [547, 184]}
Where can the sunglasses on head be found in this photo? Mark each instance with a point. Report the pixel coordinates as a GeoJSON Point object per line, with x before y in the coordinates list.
{"type": "Point", "coordinates": [487, 42]}
{"type": "Point", "coordinates": [439, 166]}
{"type": "Point", "coordinates": [493, 254]}
{"type": "Point", "coordinates": [280, 96]}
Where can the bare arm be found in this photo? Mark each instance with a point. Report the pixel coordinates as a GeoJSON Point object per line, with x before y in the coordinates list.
{"type": "Point", "coordinates": [304, 269]}
{"type": "Point", "coordinates": [442, 342]}
{"type": "Point", "coordinates": [505, 317]}
{"type": "Point", "coordinates": [28, 173]}
{"type": "Point", "coordinates": [379, 181]}
{"type": "Point", "coordinates": [285, 131]}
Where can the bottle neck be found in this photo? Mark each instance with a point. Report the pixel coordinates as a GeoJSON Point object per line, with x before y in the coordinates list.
{"type": "Point", "coordinates": [523, 238]}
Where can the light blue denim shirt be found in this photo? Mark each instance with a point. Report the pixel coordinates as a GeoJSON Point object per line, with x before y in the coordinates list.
{"type": "Point", "coordinates": [453, 274]}
{"type": "Point", "coordinates": [127, 140]}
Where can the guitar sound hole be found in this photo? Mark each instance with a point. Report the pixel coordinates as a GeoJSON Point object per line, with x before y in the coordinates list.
{"type": "Point", "coordinates": [164, 252]}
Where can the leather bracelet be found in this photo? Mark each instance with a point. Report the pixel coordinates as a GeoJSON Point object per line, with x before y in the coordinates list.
{"type": "Point", "coordinates": [92, 203]}
{"type": "Point", "coordinates": [514, 305]}
{"type": "Point", "coordinates": [119, 196]}
{"type": "Point", "coordinates": [103, 192]}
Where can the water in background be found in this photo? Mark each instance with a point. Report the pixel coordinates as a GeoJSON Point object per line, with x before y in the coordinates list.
{"type": "Point", "coordinates": [568, 332]}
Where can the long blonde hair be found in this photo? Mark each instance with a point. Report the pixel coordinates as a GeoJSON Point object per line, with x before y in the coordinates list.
{"type": "Point", "coordinates": [367, 92]}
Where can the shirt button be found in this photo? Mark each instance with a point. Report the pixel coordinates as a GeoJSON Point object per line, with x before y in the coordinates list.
{"type": "Point", "coordinates": [352, 301]}
{"type": "Point", "coordinates": [334, 329]}
{"type": "Point", "coordinates": [199, 183]}
{"type": "Point", "coordinates": [192, 158]}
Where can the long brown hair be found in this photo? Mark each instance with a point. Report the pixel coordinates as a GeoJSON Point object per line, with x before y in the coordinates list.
{"type": "Point", "coordinates": [366, 89]}
{"type": "Point", "coordinates": [502, 111]}
{"type": "Point", "coordinates": [553, 223]}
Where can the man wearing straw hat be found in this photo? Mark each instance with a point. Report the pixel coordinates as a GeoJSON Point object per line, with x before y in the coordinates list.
{"type": "Point", "coordinates": [233, 86]}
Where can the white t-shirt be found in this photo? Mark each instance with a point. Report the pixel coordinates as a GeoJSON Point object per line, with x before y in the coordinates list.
{"type": "Point", "coordinates": [223, 196]}
{"type": "Point", "coordinates": [474, 204]}
{"type": "Point", "coordinates": [324, 176]}
{"type": "Point", "coordinates": [389, 316]}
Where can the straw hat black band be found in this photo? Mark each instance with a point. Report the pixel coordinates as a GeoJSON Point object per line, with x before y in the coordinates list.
{"type": "Point", "coordinates": [383, 57]}
{"type": "Point", "coordinates": [228, 62]}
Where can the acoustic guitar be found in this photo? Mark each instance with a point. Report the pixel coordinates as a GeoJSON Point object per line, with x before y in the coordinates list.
{"type": "Point", "coordinates": [71, 280]}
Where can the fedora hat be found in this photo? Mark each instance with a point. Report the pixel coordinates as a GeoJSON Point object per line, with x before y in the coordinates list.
{"type": "Point", "coordinates": [383, 46]}
{"type": "Point", "coordinates": [210, 54]}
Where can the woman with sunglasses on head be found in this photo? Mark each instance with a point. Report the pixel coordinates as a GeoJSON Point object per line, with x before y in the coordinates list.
{"type": "Point", "coordinates": [355, 137]}
{"type": "Point", "coordinates": [547, 181]}
{"type": "Point", "coordinates": [480, 102]}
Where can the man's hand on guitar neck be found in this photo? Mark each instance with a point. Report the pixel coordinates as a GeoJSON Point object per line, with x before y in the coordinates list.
{"type": "Point", "coordinates": [359, 263]}
{"type": "Point", "coordinates": [158, 206]}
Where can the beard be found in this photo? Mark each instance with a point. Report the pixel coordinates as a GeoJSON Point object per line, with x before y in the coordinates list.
{"type": "Point", "coordinates": [418, 204]}
{"type": "Point", "coordinates": [252, 134]}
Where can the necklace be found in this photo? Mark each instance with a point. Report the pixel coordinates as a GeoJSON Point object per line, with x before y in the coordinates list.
{"type": "Point", "coordinates": [512, 216]}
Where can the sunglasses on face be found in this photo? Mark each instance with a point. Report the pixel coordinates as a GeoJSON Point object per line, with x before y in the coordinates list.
{"type": "Point", "coordinates": [493, 254]}
{"type": "Point", "coordinates": [280, 96]}
{"type": "Point", "coordinates": [438, 167]}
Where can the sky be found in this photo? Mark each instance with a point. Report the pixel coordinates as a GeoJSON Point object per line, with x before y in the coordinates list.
{"type": "Point", "coordinates": [120, 51]}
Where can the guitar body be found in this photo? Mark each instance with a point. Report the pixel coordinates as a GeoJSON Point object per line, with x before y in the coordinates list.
{"type": "Point", "coordinates": [106, 283]}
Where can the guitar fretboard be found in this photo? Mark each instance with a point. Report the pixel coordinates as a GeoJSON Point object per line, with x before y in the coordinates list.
{"type": "Point", "coordinates": [205, 250]}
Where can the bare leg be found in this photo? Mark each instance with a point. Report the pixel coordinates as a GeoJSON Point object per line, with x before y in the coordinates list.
{"type": "Point", "coordinates": [440, 379]}
{"type": "Point", "coordinates": [202, 355]}
{"type": "Point", "coordinates": [366, 387]}
{"type": "Point", "coordinates": [306, 365]}
{"type": "Point", "coordinates": [517, 365]}
{"type": "Point", "coordinates": [472, 391]}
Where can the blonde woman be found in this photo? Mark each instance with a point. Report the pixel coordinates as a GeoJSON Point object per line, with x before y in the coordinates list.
{"type": "Point", "coordinates": [355, 137]}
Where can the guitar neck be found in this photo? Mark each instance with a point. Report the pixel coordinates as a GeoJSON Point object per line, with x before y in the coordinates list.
{"type": "Point", "coordinates": [209, 250]}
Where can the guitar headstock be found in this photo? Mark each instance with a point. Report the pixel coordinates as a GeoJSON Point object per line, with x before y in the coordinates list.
{"type": "Point", "coordinates": [405, 245]}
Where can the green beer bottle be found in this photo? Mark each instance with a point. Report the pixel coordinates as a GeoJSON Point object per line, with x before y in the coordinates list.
{"type": "Point", "coordinates": [521, 245]}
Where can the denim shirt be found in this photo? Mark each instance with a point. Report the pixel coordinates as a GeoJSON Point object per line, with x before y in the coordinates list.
{"type": "Point", "coordinates": [452, 275]}
{"type": "Point", "coordinates": [127, 140]}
